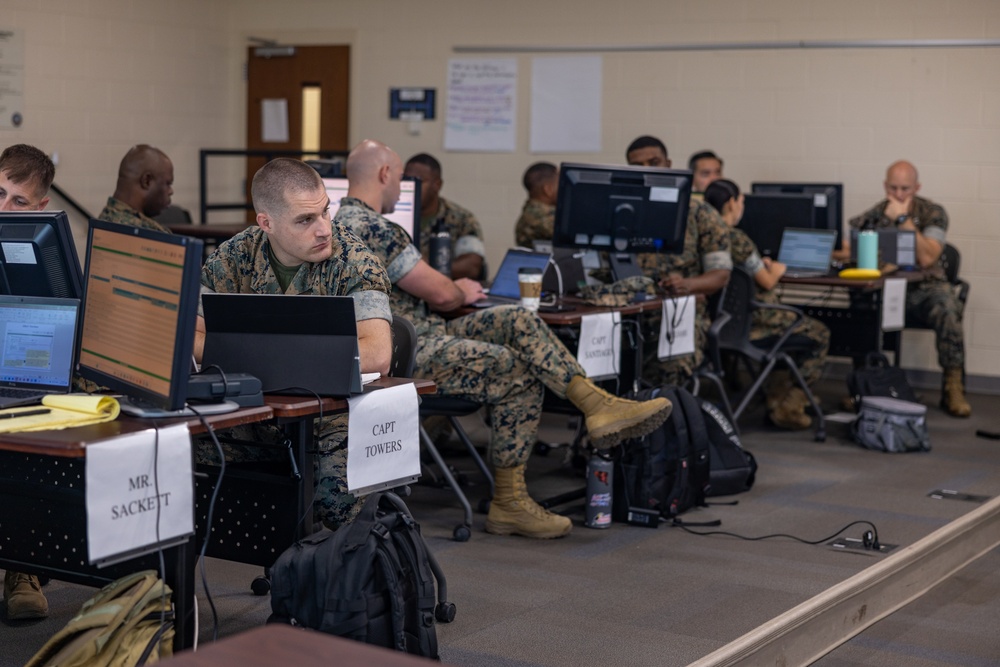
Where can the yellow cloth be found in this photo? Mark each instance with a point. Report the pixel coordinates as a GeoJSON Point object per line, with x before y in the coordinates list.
{"type": "Point", "coordinates": [65, 411]}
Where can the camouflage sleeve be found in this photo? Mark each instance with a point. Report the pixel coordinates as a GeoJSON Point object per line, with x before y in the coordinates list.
{"type": "Point", "coordinates": [537, 223]}
{"type": "Point", "coordinates": [233, 262]}
{"type": "Point", "coordinates": [933, 222]}
{"type": "Point", "coordinates": [468, 234]}
{"type": "Point", "coordinates": [869, 218]}
{"type": "Point", "coordinates": [744, 251]}
{"type": "Point", "coordinates": [387, 241]}
{"type": "Point", "coordinates": [713, 240]}
{"type": "Point", "coordinates": [365, 279]}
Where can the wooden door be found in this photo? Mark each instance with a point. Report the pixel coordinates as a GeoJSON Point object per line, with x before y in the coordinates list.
{"type": "Point", "coordinates": [285, 78]}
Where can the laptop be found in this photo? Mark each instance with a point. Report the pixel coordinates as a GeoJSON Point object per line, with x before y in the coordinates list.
{"type": "Point", "coordinates": [895, 246]}
{"type": "Point", "coordinates": [806, 252]}
{"type": "Point", "coordinates": [39, 348]}
{"type": "Point", "coordinates": [567, 273]}
{"type": "Point", "coordinates": [297, 344]}
{"type": "Point", "coordinates": [505, 289]}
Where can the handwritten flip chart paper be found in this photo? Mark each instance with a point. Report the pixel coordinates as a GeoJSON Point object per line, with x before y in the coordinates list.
{"type": "Point", "coordinates": [140, 492]}
{"type": "Point", "coordinates": [482, 105]}
{"type": "Point", "coordinates": [11, 79]}
{"type": "Point", "coordinates": [600, 349]}
{"type": "Point", "coordinates": [383, 439]}
{"type": "Point", "coordinates": [566, 104]}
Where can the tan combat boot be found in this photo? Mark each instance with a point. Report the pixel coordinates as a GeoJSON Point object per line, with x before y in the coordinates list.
{"type": "Point", "coordinates": [953, 394]}
{"type": "Point", "coordinates": [611, 419]}
{"type": "Point", "coordinates": [513, 512]}
{"type": "Point", "coordinates": [23, 593]}
{"type": "Point", "coordinates": [787, 409]}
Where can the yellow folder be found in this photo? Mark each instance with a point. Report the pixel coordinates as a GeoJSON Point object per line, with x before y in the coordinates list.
{"type": "Point", "coordinates": [64, 411]}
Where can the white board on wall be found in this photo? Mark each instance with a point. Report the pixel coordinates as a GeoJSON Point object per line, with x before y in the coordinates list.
{"type": "Point", "coordinates": [566, 104]}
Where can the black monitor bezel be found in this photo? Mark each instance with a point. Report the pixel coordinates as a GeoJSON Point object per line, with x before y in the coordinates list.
{"type": "Point", "coordinates": [770, 228]}
{"type": "Point", "coordinates": [186, 320]}
{"type": "Point", "coordinates": [68, 257]}
{"type": "Point", "coordinates": [564, 239]}
{"type": "Point", "coordinates": [834, 218]}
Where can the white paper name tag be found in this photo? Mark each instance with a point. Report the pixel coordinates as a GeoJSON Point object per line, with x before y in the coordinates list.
{"type": "Point", "coordinates": [134, 482]}
{"type": "Point", "coordinates": [600, 345]}
{"type": "Point", "coordinates": [677, 327]}
{"type": "Point", "coordinates": [383, 439]}
{"type": "Point", "coordinates": [893, 304]}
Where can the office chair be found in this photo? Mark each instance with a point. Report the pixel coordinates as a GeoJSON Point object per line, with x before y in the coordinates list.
{"type": "Point", "coordinates": [712, 369]}
{"type": "Point", "coordinates": [404, 349]}
{"type": "Point", "coordinates": [733, 335]}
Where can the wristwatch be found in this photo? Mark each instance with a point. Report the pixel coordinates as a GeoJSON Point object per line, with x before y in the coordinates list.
{"type": "Point", "coordinates": [901, 219]}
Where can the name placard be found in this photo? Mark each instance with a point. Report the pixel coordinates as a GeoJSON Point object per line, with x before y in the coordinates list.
{"type": "Point", "coordinates": [893, 304]}
{"type": "Point", "coordinates": [677, 327]}
{"type": "Point", "coordinates": [140, 493]}
{"type": "Point", "coordinates": [600, 346]}
{"type": "Point", "coordinates": [383, 439]}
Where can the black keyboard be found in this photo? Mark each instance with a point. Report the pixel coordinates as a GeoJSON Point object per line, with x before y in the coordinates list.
{"type": "Point", "coordinates": [11, 392]}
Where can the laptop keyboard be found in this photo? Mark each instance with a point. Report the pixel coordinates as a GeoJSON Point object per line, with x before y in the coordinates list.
{"type": "Point", "coordinates": [11, 392]}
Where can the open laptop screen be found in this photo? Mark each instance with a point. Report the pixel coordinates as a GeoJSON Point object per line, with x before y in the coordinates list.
{"type": "Point", "coordinates": [505, 284]}
{"type": "Point", "coordinates": [807, 249]}
{"type": "Point", "coordinates": [38, 335]}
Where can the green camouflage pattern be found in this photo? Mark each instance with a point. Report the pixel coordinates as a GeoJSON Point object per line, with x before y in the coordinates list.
{"type": "Point", "coordinates": [537, 223]}
{"type": "Point", "coordinates": [463, 227]}
{"type": "Point", "coordinates": [121, 213]}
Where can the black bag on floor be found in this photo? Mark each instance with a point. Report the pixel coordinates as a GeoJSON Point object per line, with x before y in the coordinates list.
{"type": "Point", "coordinates": [878, 378]}
{"type": "Point", "coordinates": [666, 471]}
{"type": "Point", "coordinates": [373, 581]}
{"type": "Point", "coordinates": [732, 469]}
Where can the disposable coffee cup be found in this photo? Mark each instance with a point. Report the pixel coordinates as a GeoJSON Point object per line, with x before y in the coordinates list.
{"type": "Point", "coordinates": [530, 282]}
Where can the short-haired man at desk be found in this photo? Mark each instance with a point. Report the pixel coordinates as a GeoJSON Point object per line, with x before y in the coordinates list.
{"type": "Point", "coordinates": [26, 175]}
{"type": "Point", "coordinates": [705, 167]}
{"type": "Point", "coordinates": [930, 301]}
{"type": "Point", "coordinates": [538, 217]}
{"type": "Point", "coordinates": [468, 248]}
{"type": "Point", "coordinates": [295, 249]}
{"type": "Point", "coordinates": [701, 269]}
{"type": "Point", "coordinates": [145, 184]}
{"type": "Point", "coordinates": [501, 356]}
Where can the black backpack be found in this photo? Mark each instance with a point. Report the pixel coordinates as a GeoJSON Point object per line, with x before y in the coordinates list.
{"type": "Point", "coordinates": [373, 581]}
{"type": "Point", "coordinates": [732, 469]}
{"type": "Point", "coordinates": [668, 470]}
{"type": "Point", "coordinates": [878, 378]}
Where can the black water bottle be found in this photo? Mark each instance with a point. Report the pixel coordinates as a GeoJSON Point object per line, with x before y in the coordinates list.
{"type": "Point", "coordinates": [599, 486]}
{"type": "Point", "coordinates": [440, 248]}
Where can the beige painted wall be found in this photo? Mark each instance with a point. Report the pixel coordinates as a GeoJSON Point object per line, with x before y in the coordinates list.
{"type": "Point", "coordinates": [104, 74]}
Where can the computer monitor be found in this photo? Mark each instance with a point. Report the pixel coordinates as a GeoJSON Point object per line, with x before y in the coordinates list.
{"type": "Point", "coordinates": [139, 309]}
{"type": "Point", "coordinates": [828, 202]}
{"type": "Point", "coordinates": [406, 213]}
{"type": "Point", "coordinates": [621, 209]}
{"type": "Point", "coordinates": [766, 215]}
{"type": "Point", "coordinates": [38, 256]}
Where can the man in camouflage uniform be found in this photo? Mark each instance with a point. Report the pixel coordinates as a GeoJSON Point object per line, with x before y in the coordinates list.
{"type": "Point", "coordinates": [930, 301]}
{"type": "Point", "coordinates": [537, 221]}
{"type": "Point", "coordinates": [705, 167]}
{"type": "Point", "coordinates": [145, 184]}
{"type": "Point", "coordinates": [701, 269]}
{"type": "Point", "coordinates": [295, 249]}
{"type": "Point", "coordinates": [786, 403]}
{"type": "Point", "coordinates": [502, 357]}
{"type": "Point", "coordinates": [468, 253]}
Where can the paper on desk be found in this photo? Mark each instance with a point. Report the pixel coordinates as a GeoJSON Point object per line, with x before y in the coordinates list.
{"type": "Point", "coordinates": [66, 411]}
{"type": "Point", "coordinates": [367, 378]}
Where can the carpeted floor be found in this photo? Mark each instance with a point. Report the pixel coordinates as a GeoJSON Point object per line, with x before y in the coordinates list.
{"type": "Point", "coordinates": [637, 596]}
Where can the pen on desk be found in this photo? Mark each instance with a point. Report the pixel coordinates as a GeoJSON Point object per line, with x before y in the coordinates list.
{"type": "Point", "coordinates": [26, 413]}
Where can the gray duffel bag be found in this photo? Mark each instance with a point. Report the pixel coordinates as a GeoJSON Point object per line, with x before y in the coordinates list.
{"type": "Point", "coordinates": [892, 425]}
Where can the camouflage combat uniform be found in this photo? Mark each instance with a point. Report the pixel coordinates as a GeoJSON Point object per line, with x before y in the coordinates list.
{"type": "Point", "coordinates": [120, 212]}
{"type": "Point", "coordinates": [706, 248]}
{"type": "Point", "coordinates": [930, 301]}
{"type": "Point", "coordinates": [768, 323]}
{"type": "Point", "coordinates": [501, 356]}
{"type": "Point", "coordinates": [537, 223]}
{"type": "Point", "coordinates": [466, 233]}
{"type": "Point", "coordinates": [242, 265]}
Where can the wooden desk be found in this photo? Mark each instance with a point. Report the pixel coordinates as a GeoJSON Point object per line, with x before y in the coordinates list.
{"type": "Point", "coordinates": [284, 645]}
{"type": "Point", "coordinates": [44, 517]}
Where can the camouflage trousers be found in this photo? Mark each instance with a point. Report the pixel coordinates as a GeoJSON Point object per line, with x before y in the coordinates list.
{"type": "Point", "coordinates": [934, 304]}
{"type": "Point", "coordinates": [769, 324]}
{"type": "Point", "coordinates": [502, 357]}
{"type": "Point", "coordinates": [332, 504]}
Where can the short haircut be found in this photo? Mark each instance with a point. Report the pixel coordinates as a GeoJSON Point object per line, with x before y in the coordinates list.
{"type": "Point", "coordinates": [719, 192]}
{"type": "Point", "coordinates": [702, 155]}
{"type": "Point", "coordinates": [23, 163]}
{"type": "Point", "coordinates": [646, 141]}
{"type": "Point", "coordinates": [428, 161]}
{"type": "Point", "coordinates": [277, 177]}
{"type": "Point", "coordinates": [538, 175]}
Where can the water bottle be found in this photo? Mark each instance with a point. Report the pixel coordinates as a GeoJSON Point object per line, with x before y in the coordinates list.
{"type": "Point", "coordinates": [599, 478]}
{"type": "Point", "coordinates": [440, 249]}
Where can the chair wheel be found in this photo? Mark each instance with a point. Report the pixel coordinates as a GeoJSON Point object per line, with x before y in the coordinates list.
{"type": "Point", "coordinates": [445, 612]}
{"type": "Point", "coordinates": [542, 449]}
{"type": "Point", "coordinates": [484, 506]}
{"type": "Point", "coordinates": [821, 435]}
{"type": "Point", "coordinates": [261, 585]}
{"type": "Point", "coordinates": [462, 533]}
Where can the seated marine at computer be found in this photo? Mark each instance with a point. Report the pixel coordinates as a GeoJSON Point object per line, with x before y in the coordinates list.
{"type": "Point", "coordinates": [701, 269]}
{"type": "Point", "coordinates": [705, 167]}
{"type": "Point", "coordinates": [786, 403]}
{"type": "Point", "coordinates": [295, 249]}
{"type": "Point", "coordinates": [930, 301]}
{"type": "Point", "coordinates": [26, 175]}
{"type": "Point", "coordinates": [537, 221]}
{"type": "Point", "coordinates": [145, 185]}
{"type": "Point", "coordinates": [468, 252]}
{"type": "Point", "coordinates": [503, 357]}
